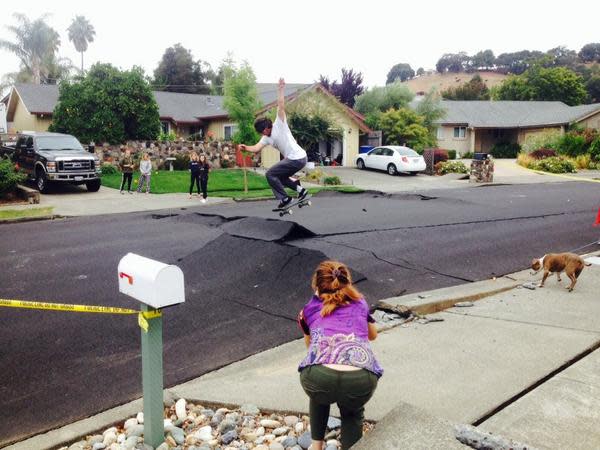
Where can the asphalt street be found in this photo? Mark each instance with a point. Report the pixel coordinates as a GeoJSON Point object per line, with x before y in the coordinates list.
{"type": "Point", "coordinates": [247, 273]}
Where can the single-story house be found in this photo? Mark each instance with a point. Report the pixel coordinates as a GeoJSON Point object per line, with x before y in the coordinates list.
{"type": "Point", "coordinates": [30, 107]}
{"type": "Point", "coordinates": [475, 126]}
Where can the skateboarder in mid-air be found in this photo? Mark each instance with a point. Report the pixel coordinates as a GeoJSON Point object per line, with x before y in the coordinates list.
{"type": "Point", "coordinates": [278, 135]}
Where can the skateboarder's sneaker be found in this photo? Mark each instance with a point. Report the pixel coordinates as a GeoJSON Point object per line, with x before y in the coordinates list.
{"type": "Point", "coordinates": [283, 203]}
{"type": "Point", "coordinates": [302, 194]}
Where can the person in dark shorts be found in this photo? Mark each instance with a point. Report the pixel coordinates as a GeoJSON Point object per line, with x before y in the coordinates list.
{"type": "Point", "coordinates": [278, 135]}
{"type": "Point", "coordinates": [340, 366]}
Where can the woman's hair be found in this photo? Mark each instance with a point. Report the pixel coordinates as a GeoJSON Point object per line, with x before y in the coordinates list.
{"type": "Point", "coordinates": [193, 156]}
{"type": "Point", "coordinates": [145, 155]}
{"type": "Point", "coordinates": [202, 157]}
{"type": "Point", "coordinates": [333, 283]}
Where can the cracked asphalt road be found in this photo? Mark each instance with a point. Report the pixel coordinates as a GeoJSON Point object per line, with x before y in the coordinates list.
{"type": "Point", "coordinates": [247, 274]}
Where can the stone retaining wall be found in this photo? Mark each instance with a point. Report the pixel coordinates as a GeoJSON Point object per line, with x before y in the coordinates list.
{"type": "Point", "coordinates": [219, 154]}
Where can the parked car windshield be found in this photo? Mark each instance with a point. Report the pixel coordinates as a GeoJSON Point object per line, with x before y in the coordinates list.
{"type": "Point", "coordinates": [407, 152]}
{"type": "Point", "coordinates": [58, 143]}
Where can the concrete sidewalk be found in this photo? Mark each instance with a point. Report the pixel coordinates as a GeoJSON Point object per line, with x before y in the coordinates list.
{"type": "Point", "coordinates": [506, 361]}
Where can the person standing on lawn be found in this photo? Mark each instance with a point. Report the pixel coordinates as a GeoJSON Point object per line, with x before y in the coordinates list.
{"type": "Point", "coordinates": [278, 135]}
{"type": "Point", "coordinates": [194, 172]}
{"type": "Point", "coordinates": [126, 164]}
{"type": "Point", "coordinates": [203, 171]}
{"type": "Point", "coordinates": [145, 173]}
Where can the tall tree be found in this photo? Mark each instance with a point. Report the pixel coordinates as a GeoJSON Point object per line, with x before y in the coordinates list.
{"type": "Point", "coordinates": [420, 71]}
{"type": "Point", "coordinates": [590, 52]}
{"type": "Point", "coordinates": [593, 88]}
{"type": "Point", "coordinates": [178, 72]}
{"type": "Point", "coordinates": [517, 62]}
{"type": "Point", "coordinates": [107, 105]}
{"type": "Point", "coordinates": [81, 33]}
{"type": "Point", "coordinates": [453, 62]}
{"type": "Point", "coordinates": [541, 83]}
{"type": "Point", "coordinates": [483, 60]}
{"type": "Point", "coordinates": [241, 102]}
{"type": "Point", "coordinates": [348, 89]}
{"type": "Point", "coordinates": [35, 43]}
{"type": "Point", "coordinates": [401, 71]}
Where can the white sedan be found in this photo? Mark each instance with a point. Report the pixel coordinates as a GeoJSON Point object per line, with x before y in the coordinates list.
{"type": "Point", "coordinates": [393, 159]}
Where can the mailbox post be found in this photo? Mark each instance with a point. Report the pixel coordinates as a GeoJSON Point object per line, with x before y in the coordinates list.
{"type": "Point", "coordinates": [156, 285]}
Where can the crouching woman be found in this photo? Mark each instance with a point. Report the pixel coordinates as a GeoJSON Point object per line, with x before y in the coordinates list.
{"type": "Point", "coordinates": [340, 366]}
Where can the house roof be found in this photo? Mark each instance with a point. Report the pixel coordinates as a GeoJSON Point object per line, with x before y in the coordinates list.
{"type": "Point", "coordinates": [513, 114]}
{"type": "Point", "coordinates": [175, 106]}
{"type": "Point", "coordinates": [38, 98]}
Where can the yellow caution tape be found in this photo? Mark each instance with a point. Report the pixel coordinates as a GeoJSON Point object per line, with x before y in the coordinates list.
{"type": "Point", "coordinates": [142, 315]}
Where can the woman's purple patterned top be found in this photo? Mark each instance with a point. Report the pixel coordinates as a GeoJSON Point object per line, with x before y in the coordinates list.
{"type": "Point", "coordinates": [342, 337]}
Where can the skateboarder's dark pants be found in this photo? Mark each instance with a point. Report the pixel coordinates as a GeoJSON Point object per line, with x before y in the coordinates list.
{"type": "Point", "coordinates": [279, 175]}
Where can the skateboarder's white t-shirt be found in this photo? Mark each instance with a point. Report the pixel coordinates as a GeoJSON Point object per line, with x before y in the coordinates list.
{"type": "Point", "coordinates": [281, 138]}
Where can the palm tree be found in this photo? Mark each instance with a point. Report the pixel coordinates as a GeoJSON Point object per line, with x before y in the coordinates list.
{"type": "Point", "coordinates": [35, 43]}
{"type": "Point", "coordinates": [81, 32]}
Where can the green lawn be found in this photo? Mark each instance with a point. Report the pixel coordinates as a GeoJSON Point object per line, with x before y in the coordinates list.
{"type": "Point", "coordinates": [221, 183]}
{"type": "Point", "coordinates": [12, 214]}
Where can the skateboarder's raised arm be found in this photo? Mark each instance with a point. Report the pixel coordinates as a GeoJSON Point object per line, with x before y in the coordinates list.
{"type": "Point", "coordinates": [281, 100]}
{"type": "Point", "coordinates": [252, 148]}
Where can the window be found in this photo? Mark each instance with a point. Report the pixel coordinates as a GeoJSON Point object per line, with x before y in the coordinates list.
{"type": "Point", "coordinates": [388, 152]}
{"type": "Point", "coordinates": [229, 131]}
{"type": "Point", "coordinates": [439, 133]}
{"type": "Point", "coordinates": [376, 152]}
{"type": "Point", "coordinates": [460, 132]}
{"type": "Point", "coordinates": [164, 127]}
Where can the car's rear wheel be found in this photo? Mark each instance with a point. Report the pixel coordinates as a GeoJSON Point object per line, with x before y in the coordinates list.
{"type": "Point", "coordinates": [40, 181]}
{"type": "Point", "coordinates": [360, 164]}
{"type": "Point", "coordinates": [391, 169]}
{"type": "Point", "coordinates": [93, 186]}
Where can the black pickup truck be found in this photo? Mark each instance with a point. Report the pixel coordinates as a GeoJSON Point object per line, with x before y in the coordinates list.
{"type": "Point", "coordinates": [56, 158]}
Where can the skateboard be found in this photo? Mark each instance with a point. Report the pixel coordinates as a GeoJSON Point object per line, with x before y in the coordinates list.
{"type": "Point", "coordinates": [288, 208]}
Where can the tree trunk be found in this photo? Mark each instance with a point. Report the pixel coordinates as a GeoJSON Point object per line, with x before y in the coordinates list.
{"type": "Point", "coordinates": [81, 63]}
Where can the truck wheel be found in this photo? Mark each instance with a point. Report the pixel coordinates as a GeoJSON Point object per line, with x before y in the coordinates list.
{"type": "Point", "coordinates": [93, 186]}
{"type": "Point", "coordinates": [41, 182]}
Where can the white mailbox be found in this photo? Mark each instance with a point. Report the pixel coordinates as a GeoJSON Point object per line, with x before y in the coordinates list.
{"type": "Point", "coordinates": [151, 282]}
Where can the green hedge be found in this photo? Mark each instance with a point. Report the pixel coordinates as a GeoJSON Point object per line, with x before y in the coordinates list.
{"type": "Point", "coordinates": [9, 177]}
{"type": "Point", "coordinates": [505, 150]}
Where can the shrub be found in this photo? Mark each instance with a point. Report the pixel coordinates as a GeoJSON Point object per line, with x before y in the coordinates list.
{"type": "Point", "coordinates": [542, 153]}
{"type": "Point", "coordinates": [468, 155]}
{"type": "Point", "coordinates": [583, 161]}
{"type": "Point", "coordinates": [314, 176]}
{"type": "Point", "coordinates": [439, 155]}
{"type": "Point", "coordinates": [546, 139]}
{"type": "Point", "coordinates": [595, 150]}
{"type": "Point", "coordinates": [182, 162]}
{"type": "Point", "coordinates": [451, 154]}
{"type": "Point", "coordinates": [505, 150]}
{"type": "Point", "coordinates": [442, 168]}
{"type": "Point", "coordinates": [572, 145]}
{"type": "Point", "coordinates": [525, 160]}
{"type": "Point", "coordinates": [333, 180]}
{"type": "Point", "coordinates": [555, 165]}
{"type": "Point", "coordinates": [108, 169]}
{"type": "Point", "coordinates": [9, 177]}
{"type": "Point", "coordinates": [167, 137]}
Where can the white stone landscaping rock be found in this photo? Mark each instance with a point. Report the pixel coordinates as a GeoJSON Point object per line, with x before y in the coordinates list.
{"type": "Point", "coordinates": [129, 423]}
{"type": "Point", "coordinates": [299, 428]}
{"type": "Point", "coordinates": [180, 409]}
{"type": "Point", "coordinates": [260, 431]}
{"type": "Point", "coordinates": [291, 421]}
{"type": "Point", "coordinates": [267, 423]}
{"type": "Point", "coordinates": [110, 437]}
{"type": "Point", "coordinates": [281, 430]}
{"type": "Point", "coordinates": [204, 433]}
{"type": "Point", "coordinates": [110, 430]}
{"type": "Point", "coordinates": [140, 417]}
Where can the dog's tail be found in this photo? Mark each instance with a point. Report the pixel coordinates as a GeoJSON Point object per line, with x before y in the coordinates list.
{"type": "Point", "coordinates": [587, 263]}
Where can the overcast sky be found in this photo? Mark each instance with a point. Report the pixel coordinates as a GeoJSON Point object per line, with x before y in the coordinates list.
{"type": "Point", "coordinates": [301, 39]}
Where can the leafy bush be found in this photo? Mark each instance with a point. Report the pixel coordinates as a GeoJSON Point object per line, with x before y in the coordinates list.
{"type": "Point", "coordinates": [547, 139]}
{"type": "Point", "coordinates": [595, 150]}
{"type": "Point", "coordinates": [542, 153]}
{"type": "Point", "coordinates": [439, 155]}
{"type": "Point", "coordinates": [526, 160]}
{"type": "Point", "coordinates": [505, 150]}
{"type": "Point", "coordinates": [468, 155]}
{"type": "Point", "coordinates": [182, 162]}
{"type": "Point", "coordinates": [572, 144]}
{"type": "Point", "coordinates": [333, 180]}
{"type": "Point", "coordinates": [108, 169]}
{"type": "Point", "coordinates": [555, 165]}
{"type": "Point", "coordinates": [583, 161]}
{"type": "Point", "coordinates": [9, 177]}
{"type": "Point", "coordinates": [451, 154]}
{"type": "Point", "coordinates": [167, 137]}
{"type": "Point", "coordinates": [314, 176]}
{"type": "Point", "coordinates": [442, 168]}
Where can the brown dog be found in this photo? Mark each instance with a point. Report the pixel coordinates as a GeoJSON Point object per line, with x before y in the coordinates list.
{"type": "Point", "coordinates": [570, 263]}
